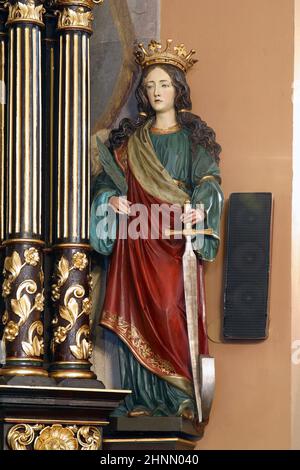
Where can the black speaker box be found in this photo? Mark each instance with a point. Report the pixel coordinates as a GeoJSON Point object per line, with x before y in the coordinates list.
{"type": "Point", "coordinates": [247, 266]}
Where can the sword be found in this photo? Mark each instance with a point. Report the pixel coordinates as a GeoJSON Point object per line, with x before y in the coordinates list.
{"type": "Point", "coordinates": [203, 371]}
{"type": "Point", "coordinates": [189, 264]}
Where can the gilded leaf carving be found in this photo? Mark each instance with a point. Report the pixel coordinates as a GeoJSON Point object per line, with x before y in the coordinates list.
{"type": "Point", "coordinates": [77, 290]}
{"type": "Point", "coordinates": [69, 312]}
{"type": "Point", "coordinates": [13, 264]}
{"type": "Point", "coordinates": [35, 346]}
{"type": "Point", "coordinates": [63, 270]}
{"type": "Point", "coordinates": [83, 348]}
{"type": "Point", "coordinates": [29, 285]}
{"type": "Point", "coordinates": [21, 307]}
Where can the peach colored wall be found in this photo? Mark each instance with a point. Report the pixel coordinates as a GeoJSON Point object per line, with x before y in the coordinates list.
{"type": "Point", "coordinates": [296, 241]}
{"type": "Point", "coordinates": [242, 87]}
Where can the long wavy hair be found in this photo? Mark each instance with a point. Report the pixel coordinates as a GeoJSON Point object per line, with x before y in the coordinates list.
{"type": "Point", "coordinates": [199, 131]}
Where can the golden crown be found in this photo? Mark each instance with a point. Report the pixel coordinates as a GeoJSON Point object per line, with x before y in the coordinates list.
{"type": "Point", "coordinates": [177, 55]}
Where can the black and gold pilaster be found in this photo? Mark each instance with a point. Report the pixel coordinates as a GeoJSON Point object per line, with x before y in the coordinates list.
{"type": "Point", "coordinates": [3, 100]}
{"type": "Point", "coordinates": [23, 283]}
{"type": "Point", "coordinates": [50, 77]}
{"type": "Point", "coordinates": [49, 152]}
{"type": "Point", "coordinates": [71, 344]}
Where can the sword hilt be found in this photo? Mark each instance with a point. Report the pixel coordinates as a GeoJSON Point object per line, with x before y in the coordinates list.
{"type": "Point", "coordinates": [188, 231]}
{"type": "Point", "coordinates": [187, 207]}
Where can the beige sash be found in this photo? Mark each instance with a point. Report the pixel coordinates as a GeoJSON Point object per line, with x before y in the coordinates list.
{"type": "Point", "coordinates": [148, 170]}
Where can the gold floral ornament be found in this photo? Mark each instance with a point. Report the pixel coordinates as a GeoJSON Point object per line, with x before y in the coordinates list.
{"type": "Point", "coordinates": [11, 331]}
{"type": "Point", "coordinates": [32, 256]}
{"type": "Point", "coordinates": [155, 54]}
{"type": "Point", "coordinates": [90, 282]}
{"type": "Point", "coordinates": [6, 287]}
{"type": "Point", "coordinates": [89, 438]}
{"type": "Point", "coordinates": [39, 302]}
{"type": "Point", "coordinates": [56, 438]}
{"type": "Point", "coordinates": [87, 306]}
{"type": "Point", "coordinates": [5, 318]}
{"type": "Point", "coordinates": [80, 261]}
{"type": "Point", "coordinates": [21, 436]}
{"type": "Point", "coordinates": [60, 334]}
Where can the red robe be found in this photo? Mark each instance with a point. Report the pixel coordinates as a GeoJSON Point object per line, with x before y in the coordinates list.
{"type": "Point", "coordinates": [144, 303]}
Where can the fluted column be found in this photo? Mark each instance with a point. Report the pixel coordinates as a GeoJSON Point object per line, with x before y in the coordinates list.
{"type": "Point", "coordinates": [71, 345]}
{"type": "Point", "coordinates": [3, 80]}
{"type": "Point", "coordinates": [24, 279]}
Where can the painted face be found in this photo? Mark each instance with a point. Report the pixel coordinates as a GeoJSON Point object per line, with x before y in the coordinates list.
{"type": "Point", "coordinates": [160, 90]}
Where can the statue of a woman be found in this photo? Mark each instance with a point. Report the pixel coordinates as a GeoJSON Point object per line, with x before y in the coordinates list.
{"type": "Point", "coordinates": [164, 157]}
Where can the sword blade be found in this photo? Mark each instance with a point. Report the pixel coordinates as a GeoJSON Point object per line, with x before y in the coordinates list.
{"type": "Point", "coordinates": [189, 262]}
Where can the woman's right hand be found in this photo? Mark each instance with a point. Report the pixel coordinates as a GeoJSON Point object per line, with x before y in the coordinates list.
{"type": "Point", "coordinates": [120, 205]}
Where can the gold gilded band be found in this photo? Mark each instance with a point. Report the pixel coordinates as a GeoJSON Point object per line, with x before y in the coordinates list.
{"type": "Point", "coordinates": [24, 359]}
{"type": "Point", "coordinates": [72, 245]}
{"type": "Point", "coordinates": [72, 374]}
{"type": "Point", "coordinates": [62, 421]}
{"type": "Point", "coordinates": [62, 363]}
{"type": "Point", "coordinates": [208, 178]}
{"type": "Point", "coordinates": [169, 130]}
{"type": "Point", "coordinates": [24, 371]}
{"type": "Point", "coordinates": [84, 3]}
{"type": "Point", "coordinates": [21, 241]}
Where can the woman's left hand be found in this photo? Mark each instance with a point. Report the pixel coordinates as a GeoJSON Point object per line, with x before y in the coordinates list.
{"type": "Point", "coordinates": [193, 216]}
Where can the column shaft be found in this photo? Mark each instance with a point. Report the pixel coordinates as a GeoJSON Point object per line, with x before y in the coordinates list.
{"type": "Point", "coordinates": [24, 279]}
{"type": "Point", "coordinates": [71, 345]}
{"type": "Point", "coordinates": [3, 157]}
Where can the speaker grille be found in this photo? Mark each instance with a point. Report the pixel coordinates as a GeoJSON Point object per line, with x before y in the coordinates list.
{"type": "Point", "coordinates": [247, 263]}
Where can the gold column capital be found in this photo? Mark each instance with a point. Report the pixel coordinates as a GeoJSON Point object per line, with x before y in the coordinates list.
{"type": "Point", "coordinates": [74, 3]}
{"type": "Point", "coordinates": [75, 19]}
{"type": "Point", "coordinates": [28, 11]}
